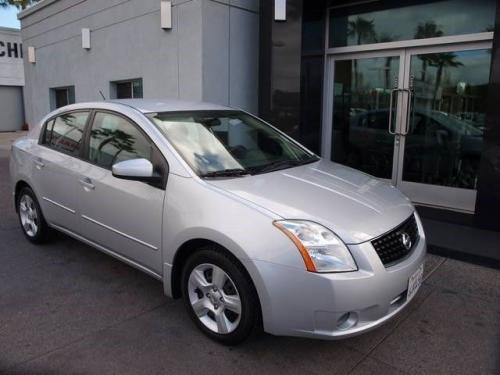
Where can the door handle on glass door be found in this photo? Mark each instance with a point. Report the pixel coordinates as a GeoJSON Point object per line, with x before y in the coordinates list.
{"type": "Point", "coordinates": [410, 95]}
{"type": "Point", "coordinates": [391, 100]}
{"type": "Point", "coordinates": [410, 116]}
{"type": "Point", "coordinates": [87, 183]}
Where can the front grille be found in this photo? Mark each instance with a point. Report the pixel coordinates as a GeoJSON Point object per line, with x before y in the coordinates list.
{"type": "Point", "coordinates": [391, 246]}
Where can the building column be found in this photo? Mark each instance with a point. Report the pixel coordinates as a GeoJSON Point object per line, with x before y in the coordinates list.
{"type": "Point", "coordinates": [280, 63]}
{"type": "Point", "coordinates": [488, 194]}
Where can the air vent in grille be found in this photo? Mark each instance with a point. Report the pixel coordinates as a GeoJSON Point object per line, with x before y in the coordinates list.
{"type": "Point", "coordinates": [394, 245]}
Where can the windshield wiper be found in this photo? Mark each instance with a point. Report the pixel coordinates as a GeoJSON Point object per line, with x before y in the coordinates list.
{"type": "Point", "coordinates": [226, 173]}
{"type": "Point", "coordinates": [282, 164]}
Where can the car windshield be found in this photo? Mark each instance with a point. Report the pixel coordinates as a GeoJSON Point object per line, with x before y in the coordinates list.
{"type": "Point", "coordinates": [229, 143]}
{"type": "Point", "coordinates": [455, 123]}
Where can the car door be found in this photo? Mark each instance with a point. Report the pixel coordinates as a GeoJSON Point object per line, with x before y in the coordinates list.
{"type": "Point", "coordinates": [57, 167]}
{"type": "Point", "coordinates": [121, 215]}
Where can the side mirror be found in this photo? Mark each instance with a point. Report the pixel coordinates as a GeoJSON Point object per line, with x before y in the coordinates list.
{"type": "Point", "coordinates": [136, 170]}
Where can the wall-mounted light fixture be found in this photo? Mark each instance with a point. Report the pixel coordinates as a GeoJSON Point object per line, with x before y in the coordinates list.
{"type": "Point", "coordinates": [166, 14]}
{"type": "Point", "coordinates": [31, 55]}
{"type": "Point", "coordinates": [280, 10]}
{"type": "Point", "coordinates": [86, 38]}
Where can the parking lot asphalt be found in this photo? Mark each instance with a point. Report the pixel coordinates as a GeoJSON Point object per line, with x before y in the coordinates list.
{"type": "Point", "coordinates": [66, 308]}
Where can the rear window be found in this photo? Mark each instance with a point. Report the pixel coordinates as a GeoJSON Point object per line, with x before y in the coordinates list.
{"type": "Point", "coordinates": [65, 132]}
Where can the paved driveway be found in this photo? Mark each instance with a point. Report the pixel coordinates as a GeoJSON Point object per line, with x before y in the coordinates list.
{"type": "Point", "coordinates": [65, 308]}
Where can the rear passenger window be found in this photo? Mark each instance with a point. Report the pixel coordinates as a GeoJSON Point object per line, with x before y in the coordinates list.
{"type": "Point", "coordinates": [114, 139]}
{"type": "Point", "coordinates": [65, 132]}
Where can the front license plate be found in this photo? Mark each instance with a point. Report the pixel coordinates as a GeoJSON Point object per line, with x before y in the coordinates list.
{"type": "Point", "coordinates": [414, 282]}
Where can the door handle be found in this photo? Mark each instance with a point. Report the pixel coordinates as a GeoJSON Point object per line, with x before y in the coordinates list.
{"type": "Point", "coordinates": [87, 183]}
{"type": "Point", "coordinates": [410, 109]}
{"type": "Point", "coordinates": [410, 116]}
{"type": "Point", "coordinates": [391, 101]}
{"type": "Point", "coordinates": [38, 163]}
{"type": "Point", "coordinates": [391, 98]}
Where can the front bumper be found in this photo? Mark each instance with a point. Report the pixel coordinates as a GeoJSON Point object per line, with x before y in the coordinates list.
{"type": "Point", "coordinates": [336, 305]}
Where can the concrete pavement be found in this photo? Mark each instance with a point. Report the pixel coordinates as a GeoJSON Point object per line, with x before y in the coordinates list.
{"type": "Point", "coordinates": [66, 308]}
{"type": "Point", "coordinates": [6, 139]}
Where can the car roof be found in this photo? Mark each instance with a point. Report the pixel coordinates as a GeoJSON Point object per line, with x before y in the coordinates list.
{"type": "Point", "coordinates": [169, 105]}
{"type": "Point", "coordinates": [149, 105]}
{"type": "Point", "coordinates": [139, 105]}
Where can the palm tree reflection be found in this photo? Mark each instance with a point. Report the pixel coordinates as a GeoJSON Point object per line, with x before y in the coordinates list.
{"type": "Point", "coordinates": [386, 38]}
{"type": "Point", "coordinates": [427, 30]}
{"type": "Point", "coordinates": [118, 140]}
{"type": "Point", "coordinates": [440, 61]}
{"type": "Point", "coordinates": [364, 31]}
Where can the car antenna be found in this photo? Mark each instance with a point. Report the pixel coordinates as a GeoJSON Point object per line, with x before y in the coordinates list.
{"type": "Point", "coordinates": [103, 97]}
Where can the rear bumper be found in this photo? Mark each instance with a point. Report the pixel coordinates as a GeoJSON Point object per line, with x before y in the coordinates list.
{"type": "Point", "coordinates": [334, 306]}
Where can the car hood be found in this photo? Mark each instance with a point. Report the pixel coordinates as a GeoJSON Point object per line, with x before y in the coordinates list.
{"type": "Point", "coordinates": [354, 205]}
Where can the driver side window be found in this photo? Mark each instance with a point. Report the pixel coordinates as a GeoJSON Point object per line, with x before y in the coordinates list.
{"type": "Point", "coordinates": [114, 139]}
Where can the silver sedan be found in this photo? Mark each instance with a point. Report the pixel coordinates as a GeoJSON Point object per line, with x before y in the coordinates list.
{"type": "Point", "coordinates": [248, 227]}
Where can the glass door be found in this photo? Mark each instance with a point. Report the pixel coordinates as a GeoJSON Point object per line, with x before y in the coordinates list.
{"type": "Point", "coordinates": [367, 110]}
{"type": "Point", "coordinates": [413, 116]}
{"type": "Point", "coordinates": [441, 143]}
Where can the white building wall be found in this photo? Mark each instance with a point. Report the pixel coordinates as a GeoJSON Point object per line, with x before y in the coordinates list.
{"type": "Point", "coordinates": [11, 80]}
{"type": "Point", "coordinates": [127, 42]}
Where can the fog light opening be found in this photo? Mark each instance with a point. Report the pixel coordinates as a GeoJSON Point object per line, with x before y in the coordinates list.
{"type": "Point", "coordinates": [347, 320]}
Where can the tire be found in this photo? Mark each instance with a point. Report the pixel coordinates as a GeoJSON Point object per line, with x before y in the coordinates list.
{"type": "Point", "coordinates": [31, 218]}
{"type": "Point", "coordinates": [219, 316]}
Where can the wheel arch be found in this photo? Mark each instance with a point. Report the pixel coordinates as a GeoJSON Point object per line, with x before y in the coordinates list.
{"type": "Point", "coordinates": [188, 248]}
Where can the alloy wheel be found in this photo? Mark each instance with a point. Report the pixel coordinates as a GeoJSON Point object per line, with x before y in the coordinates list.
{"type": "Point", "coordinates": [214, 298]}
{"type": "Point", "coordinates": [29, 215]}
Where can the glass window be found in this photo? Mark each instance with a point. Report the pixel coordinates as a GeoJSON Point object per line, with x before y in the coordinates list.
{"type": "Point", "coordinates": [362, 92]}
{"type": "Point", "coordinates": [127, 89]}
{"type": "Point", "coordinates": [445, 138]}
{"type": "Point", "coordinates": [114, 139]}
{"type": "Point", "coordinates": [212, 141]}
{"type": "Point", "coordinates": [389, 20]}
{"type": "Point", "coordinates": [124, 90]}
{"type": "Point", "coordinates": [137, 88]}
{"type": "Point", "coordinates": [65, 132]}
{"type": "Point", "coordinates": [48, 132]}
{"type": "Point", "coordinates": [61, 96]}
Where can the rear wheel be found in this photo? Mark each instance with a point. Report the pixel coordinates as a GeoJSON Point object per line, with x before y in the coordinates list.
{"type": "Point", "coordinates": [219, 296]}
{"type": "Point", "coordinates": [32, 222]}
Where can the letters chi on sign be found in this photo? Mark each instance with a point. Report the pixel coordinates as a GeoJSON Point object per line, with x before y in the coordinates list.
{"type": "Point", "coordinates": [11, 50]}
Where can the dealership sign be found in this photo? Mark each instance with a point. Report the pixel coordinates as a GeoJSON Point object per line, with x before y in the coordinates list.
{"type": "Point", "coordinates": [11, 49]}
{"type": "Point", "coordinates": [11, 58]}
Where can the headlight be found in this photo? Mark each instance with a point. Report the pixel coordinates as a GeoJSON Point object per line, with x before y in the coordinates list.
{"type": "Point", "coordinates": [321, 249]}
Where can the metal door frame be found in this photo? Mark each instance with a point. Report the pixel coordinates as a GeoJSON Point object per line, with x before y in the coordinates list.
{"type": "Point", "coordinates": [456, 199]}
{"type": "Point", "coordinates": [327, 131]}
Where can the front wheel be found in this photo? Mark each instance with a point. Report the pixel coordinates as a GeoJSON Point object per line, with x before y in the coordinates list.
{"type": "Point", "coordinates": [219, 296]}
{"type": "Point", "coordinates": [32, 222]}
